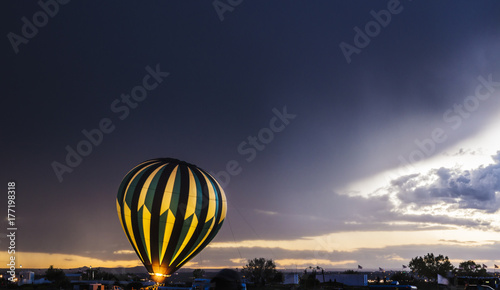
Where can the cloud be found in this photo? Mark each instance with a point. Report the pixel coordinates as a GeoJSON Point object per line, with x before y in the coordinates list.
{"type": "Point", "coordinates": [122, 252]}
{"type": "Point", "coordinates": [466, 243]}
{"type": "Point", "coordinates": [238, 260]}
{"type": "Point", "coordinates": [456, 187]}
{"type": "Point", "coordinates": [441, 222]}
{"type": "Point", "coordinates": [308, 262]}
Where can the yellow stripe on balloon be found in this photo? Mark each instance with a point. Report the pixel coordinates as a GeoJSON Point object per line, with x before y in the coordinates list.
{"type": "Point", "coordinates": [128, 222]}
{"type": "Point", "coordinates": [223, 206]}
{"type": "Point", "coordinates": [223, 203]}
{"type": "Point", "coordinates": [211, 198]}
{"type": "Point", "coordinates": [167, 196]}
{"type": "Point", "coordinates": [146, 228]}
{"type": "Point", "coordinates": [145, 187]}
{"type": "Point", "coordinates": [191, 203]}
{"type": "Point", "coordinates": [169, 226]}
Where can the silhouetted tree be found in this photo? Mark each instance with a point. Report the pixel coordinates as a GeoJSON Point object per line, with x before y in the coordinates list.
{"type": "Point", "coordinates": [430, 266]}
{"type": "Point", "coordinates": [470, 268]}
{"type": "Point", "coordinates": [57, 277]}
{"type": "Point", "coordinates": [260, 270]}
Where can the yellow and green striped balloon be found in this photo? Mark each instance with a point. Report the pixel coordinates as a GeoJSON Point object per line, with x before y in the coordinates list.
{"type": "Point", "coordinates": [170, 210]}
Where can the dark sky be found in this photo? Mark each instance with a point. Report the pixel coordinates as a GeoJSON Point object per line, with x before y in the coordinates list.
{"type": "Point", "coordinates": [226, 80]}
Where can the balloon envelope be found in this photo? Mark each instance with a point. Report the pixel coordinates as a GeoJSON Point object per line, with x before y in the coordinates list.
{"type": "Point", "coordinates": [170, 210]}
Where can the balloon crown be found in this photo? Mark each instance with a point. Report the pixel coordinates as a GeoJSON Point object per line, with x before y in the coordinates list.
{"type": "Point", "coordinates": [172, 160]}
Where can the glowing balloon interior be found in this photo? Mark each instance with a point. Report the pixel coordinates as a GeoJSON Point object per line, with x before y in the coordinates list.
{"type": "Point", "coordinates": [170, 210]}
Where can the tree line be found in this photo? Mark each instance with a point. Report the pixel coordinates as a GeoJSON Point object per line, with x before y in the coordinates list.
{"type": "Point", "coordinates": [261, 270]}
{"type": "Point", "coordinates": [430, 265]}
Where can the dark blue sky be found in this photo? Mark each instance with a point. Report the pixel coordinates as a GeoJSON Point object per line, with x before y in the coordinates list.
{"type": "Point", "coordinates": [352, 120]}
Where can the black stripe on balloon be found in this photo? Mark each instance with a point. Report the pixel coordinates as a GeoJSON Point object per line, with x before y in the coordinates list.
{"type": "Point", "coordinates": [201, 216]}
{"type": "Point", "coordinates": [135, 215]}
{"type": "Point", "coordinates": [155, 213]}
{"type": "Point", "coordinates": [179, 216]}
{"type": "Point", "coordinates": [121, 194]}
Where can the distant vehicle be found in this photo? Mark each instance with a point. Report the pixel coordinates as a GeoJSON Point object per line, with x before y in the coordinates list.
{"type": "Point", "coordinates": [478, 287]}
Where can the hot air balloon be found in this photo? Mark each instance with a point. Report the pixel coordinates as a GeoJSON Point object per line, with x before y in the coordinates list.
{"type": "Point", "coordinates": [170, 210]}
